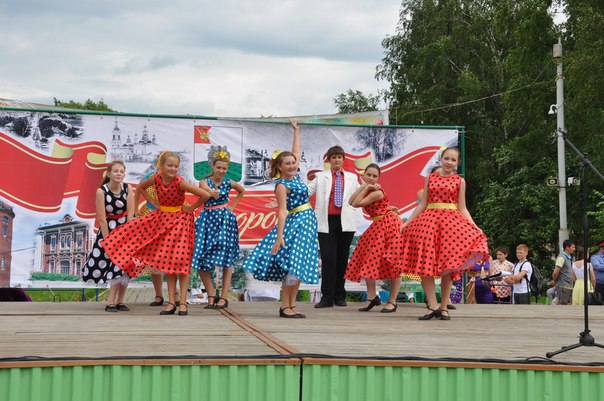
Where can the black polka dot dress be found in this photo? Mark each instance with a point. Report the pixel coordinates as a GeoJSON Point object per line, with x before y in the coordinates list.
{"type": "Point", "coordinates": [98, 267]}
{"type": "Point", "coordinates": [162, 239]}
{"type": "Point", "coordinates": [368, 260]}
{"type": "Point", "coordinates": [440, 240]}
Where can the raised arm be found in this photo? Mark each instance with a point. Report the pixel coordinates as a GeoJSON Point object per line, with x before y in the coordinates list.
{"type": "Point", "coordinates": [296, 142]}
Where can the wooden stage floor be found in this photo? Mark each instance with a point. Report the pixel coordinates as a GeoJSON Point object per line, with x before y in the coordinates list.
{"type": "Point", "coordinates": [246, 330]}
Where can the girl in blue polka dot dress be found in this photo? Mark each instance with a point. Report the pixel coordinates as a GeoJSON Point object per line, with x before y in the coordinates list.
{"type": "Point", "coordinates": [290, 251]}
{"type": "Point", "coordinates": [216, 232]}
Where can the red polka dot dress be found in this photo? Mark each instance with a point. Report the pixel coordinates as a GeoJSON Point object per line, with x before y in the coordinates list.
{"type": "Point", "coordinates": [163, 240]}
{"type": "Point", "coordinates": [440, 240]}
{"type": "Point", "coordinates": [367, 260]}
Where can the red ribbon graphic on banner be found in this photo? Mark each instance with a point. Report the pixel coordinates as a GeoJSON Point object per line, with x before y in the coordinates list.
{"type": "Point", "coordinates": [40, 183]}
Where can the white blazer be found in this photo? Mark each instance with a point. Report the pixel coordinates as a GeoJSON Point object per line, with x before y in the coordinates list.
{"type": "Point", "coordinates": [321, 185]}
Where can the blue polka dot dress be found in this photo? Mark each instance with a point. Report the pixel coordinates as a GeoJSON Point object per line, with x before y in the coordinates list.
{"type": "Point", "coordinates": [300, 256]}
{"type": "Point", "coordinates": [216, 232]}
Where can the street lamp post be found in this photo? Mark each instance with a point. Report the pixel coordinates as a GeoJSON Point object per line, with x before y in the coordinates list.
{"type": "Point", "coordinates": [559, 109]}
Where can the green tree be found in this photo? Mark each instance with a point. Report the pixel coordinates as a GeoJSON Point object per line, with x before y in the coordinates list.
{"type": "Point", "coordinates": [485, 65]}
{"type": "Point", "coordinates": [87, 105]}
{"type": "Point", "coordinates": [356, 102]}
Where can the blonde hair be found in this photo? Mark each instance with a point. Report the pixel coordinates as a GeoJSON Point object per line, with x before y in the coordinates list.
{"type": "Point", "coordinates": [163, 157]}
{"type": "Point", "coordinates": [522, 247]}
{"type": "Point", "coordinates": [109, 168]}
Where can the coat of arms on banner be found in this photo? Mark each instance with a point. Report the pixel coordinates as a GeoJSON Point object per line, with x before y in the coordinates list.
{"type": "Point", "coordinates": [210, 139]}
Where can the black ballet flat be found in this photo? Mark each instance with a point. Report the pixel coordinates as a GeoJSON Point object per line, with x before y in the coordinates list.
{"type": "Point", "coordinates": [110, 308]}
{"type": "Point", "coordinates": [169, 312]}
{"type": "Point", "coordinates": [183, 312]}
{"type": "Point", "coordinates": [300, 315]}
{"type": "Point", "coordinates": [285, 315]}
{"type": "Point", "coordinates": [435, 313]}
{"type": "Point", "coordinates": [385, 310]}
{"type": "Point", "coordinates": [225, 305]}
{"type": "Point", "coordinates": [211, 305]}
{"type": "Point", "coordinates": [445, 317]}
{"type": "Point", "coordinates": [374, 302]}
{"type": "Point", "coordinates": [156, 302]}
{"type": "Point", "coordinates": [451, 307]}
{"type": "Point", "coordinates": [122, 308]}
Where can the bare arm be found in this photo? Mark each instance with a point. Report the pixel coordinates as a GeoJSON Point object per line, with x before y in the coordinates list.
{"type": "Point", "coordinates": [141, 190]}
{"type": "Point", "coordinates": [360, 193]}
{"type": "Point", "coordinates": [240, 191]}
{"type": "Point", "coordinates": [423, 203]}
{"type": "Point", "coordinates": [296, 142]}
{"type": "Point", "coordinates": [461, 202]}
{"type": "Point", "coordinates": [130, 205]}
{"type": "Point", "coordinates": [100, 212]}
{"type": "Point", "coordinates": [281, 193]}
{"type": "Point", "coordinates": [370, 197]}
{"type": "Point", "coordinates": [202, 193]}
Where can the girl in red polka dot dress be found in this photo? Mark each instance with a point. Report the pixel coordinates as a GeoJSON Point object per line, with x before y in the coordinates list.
{"type": "Point", "coordinates": [164, 238]}
{"type": "Point", "coordinates": [367, 260]}
{"type": "Point", "coordinates": [440, 238]}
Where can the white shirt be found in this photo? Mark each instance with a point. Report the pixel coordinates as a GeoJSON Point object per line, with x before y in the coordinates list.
{"type": "Point", "coordinates": [521, 287]}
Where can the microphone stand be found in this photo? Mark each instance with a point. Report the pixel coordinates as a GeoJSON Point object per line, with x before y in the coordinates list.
{"type": "Point", "coordinates": [585, 338]}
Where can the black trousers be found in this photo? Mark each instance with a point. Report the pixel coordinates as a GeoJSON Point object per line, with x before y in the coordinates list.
{"type": "Point", "coordinates": [600, 288]}
{"type": "Point", "coordinates": [335, 249]}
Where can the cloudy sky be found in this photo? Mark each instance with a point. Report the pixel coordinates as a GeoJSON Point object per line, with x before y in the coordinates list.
{"type": "Point", "coordinates": [221, 58]}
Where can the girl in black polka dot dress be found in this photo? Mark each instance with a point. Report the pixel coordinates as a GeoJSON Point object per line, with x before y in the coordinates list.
{"type": "Point", "coordinates": [367, 261]}
{"type": "Point", "coordinates": [440, 238]}
{"type": "Point", "coordinates": [164, 238]}
{"type": "Point", "coordinates": [114, 206]}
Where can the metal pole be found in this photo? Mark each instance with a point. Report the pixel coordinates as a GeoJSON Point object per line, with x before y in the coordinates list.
{"type": "Point", "coordinates": [557, 55]}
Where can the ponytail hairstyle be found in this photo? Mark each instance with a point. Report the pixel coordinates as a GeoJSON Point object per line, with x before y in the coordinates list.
{"type": "Point", "coordinates": [109, 168]}
{"type": "Point", "coordinates": [276, 161]}
{"type": "Point", "coordinates": [374, 166]}
{"type": "Point", "coordinates": [163, 157]}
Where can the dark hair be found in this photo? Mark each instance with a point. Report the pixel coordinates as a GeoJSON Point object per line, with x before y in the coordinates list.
{"type": "Point", "coordinates": [335, 150]}
{"type": "Point", "coordinates": [276, 162]}
{"type": "Point", "coordinates": [567, 242]}
{"type": "Point", "coordinates": [109, 167]}
{"type": "Point", "coordinates": [503, 249]}
{"type": "Point", "coordinates": [375, 166]}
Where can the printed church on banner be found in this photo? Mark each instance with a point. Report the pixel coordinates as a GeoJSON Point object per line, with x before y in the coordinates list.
{"type": "Point", "coordinates": [210, 139]}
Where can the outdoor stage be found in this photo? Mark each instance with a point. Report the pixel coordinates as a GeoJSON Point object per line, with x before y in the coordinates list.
{"type": "Point", "coordinates": [485, 351]}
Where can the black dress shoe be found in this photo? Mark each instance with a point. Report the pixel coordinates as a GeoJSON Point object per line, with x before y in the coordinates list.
{"type": "Point", "coordinates": [110, 308]}
{"type": "Point", "coordinates": [122, 307]}
{"type": "Point", "coordinates": [451, 307]}
{"type": "Point", "coordinates": [431, 315]}
{"type": "Point", "coordinates": [445, 317]}
{"type": "Point", "coordinates": [386, 310]}
{"type": "Point", "coordinates": [324, 304]}
{"type": "Point", "coordinates": [340, 302]}
{"type": "Point", "coordinates": [374, 302]}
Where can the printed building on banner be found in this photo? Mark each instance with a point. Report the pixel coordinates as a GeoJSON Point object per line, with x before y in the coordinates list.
{"type": "Point", "coordinates": [7, 215]}
{"type": "Point", "coordinates": [65, 246]}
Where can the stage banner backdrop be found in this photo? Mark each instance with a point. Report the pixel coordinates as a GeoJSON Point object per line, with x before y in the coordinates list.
{"type": "Point", "coordinates": [52, 164]}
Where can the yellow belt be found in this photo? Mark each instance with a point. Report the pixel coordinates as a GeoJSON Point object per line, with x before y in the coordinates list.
{"type": "Point", "coordinates": [170, 209]}
{"type": "Point", "coordinates": [381, 216]}
{"type": "Point", "coordinates": [300, 208]}
{"type": "Point", "coordinates": [442, 206]}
